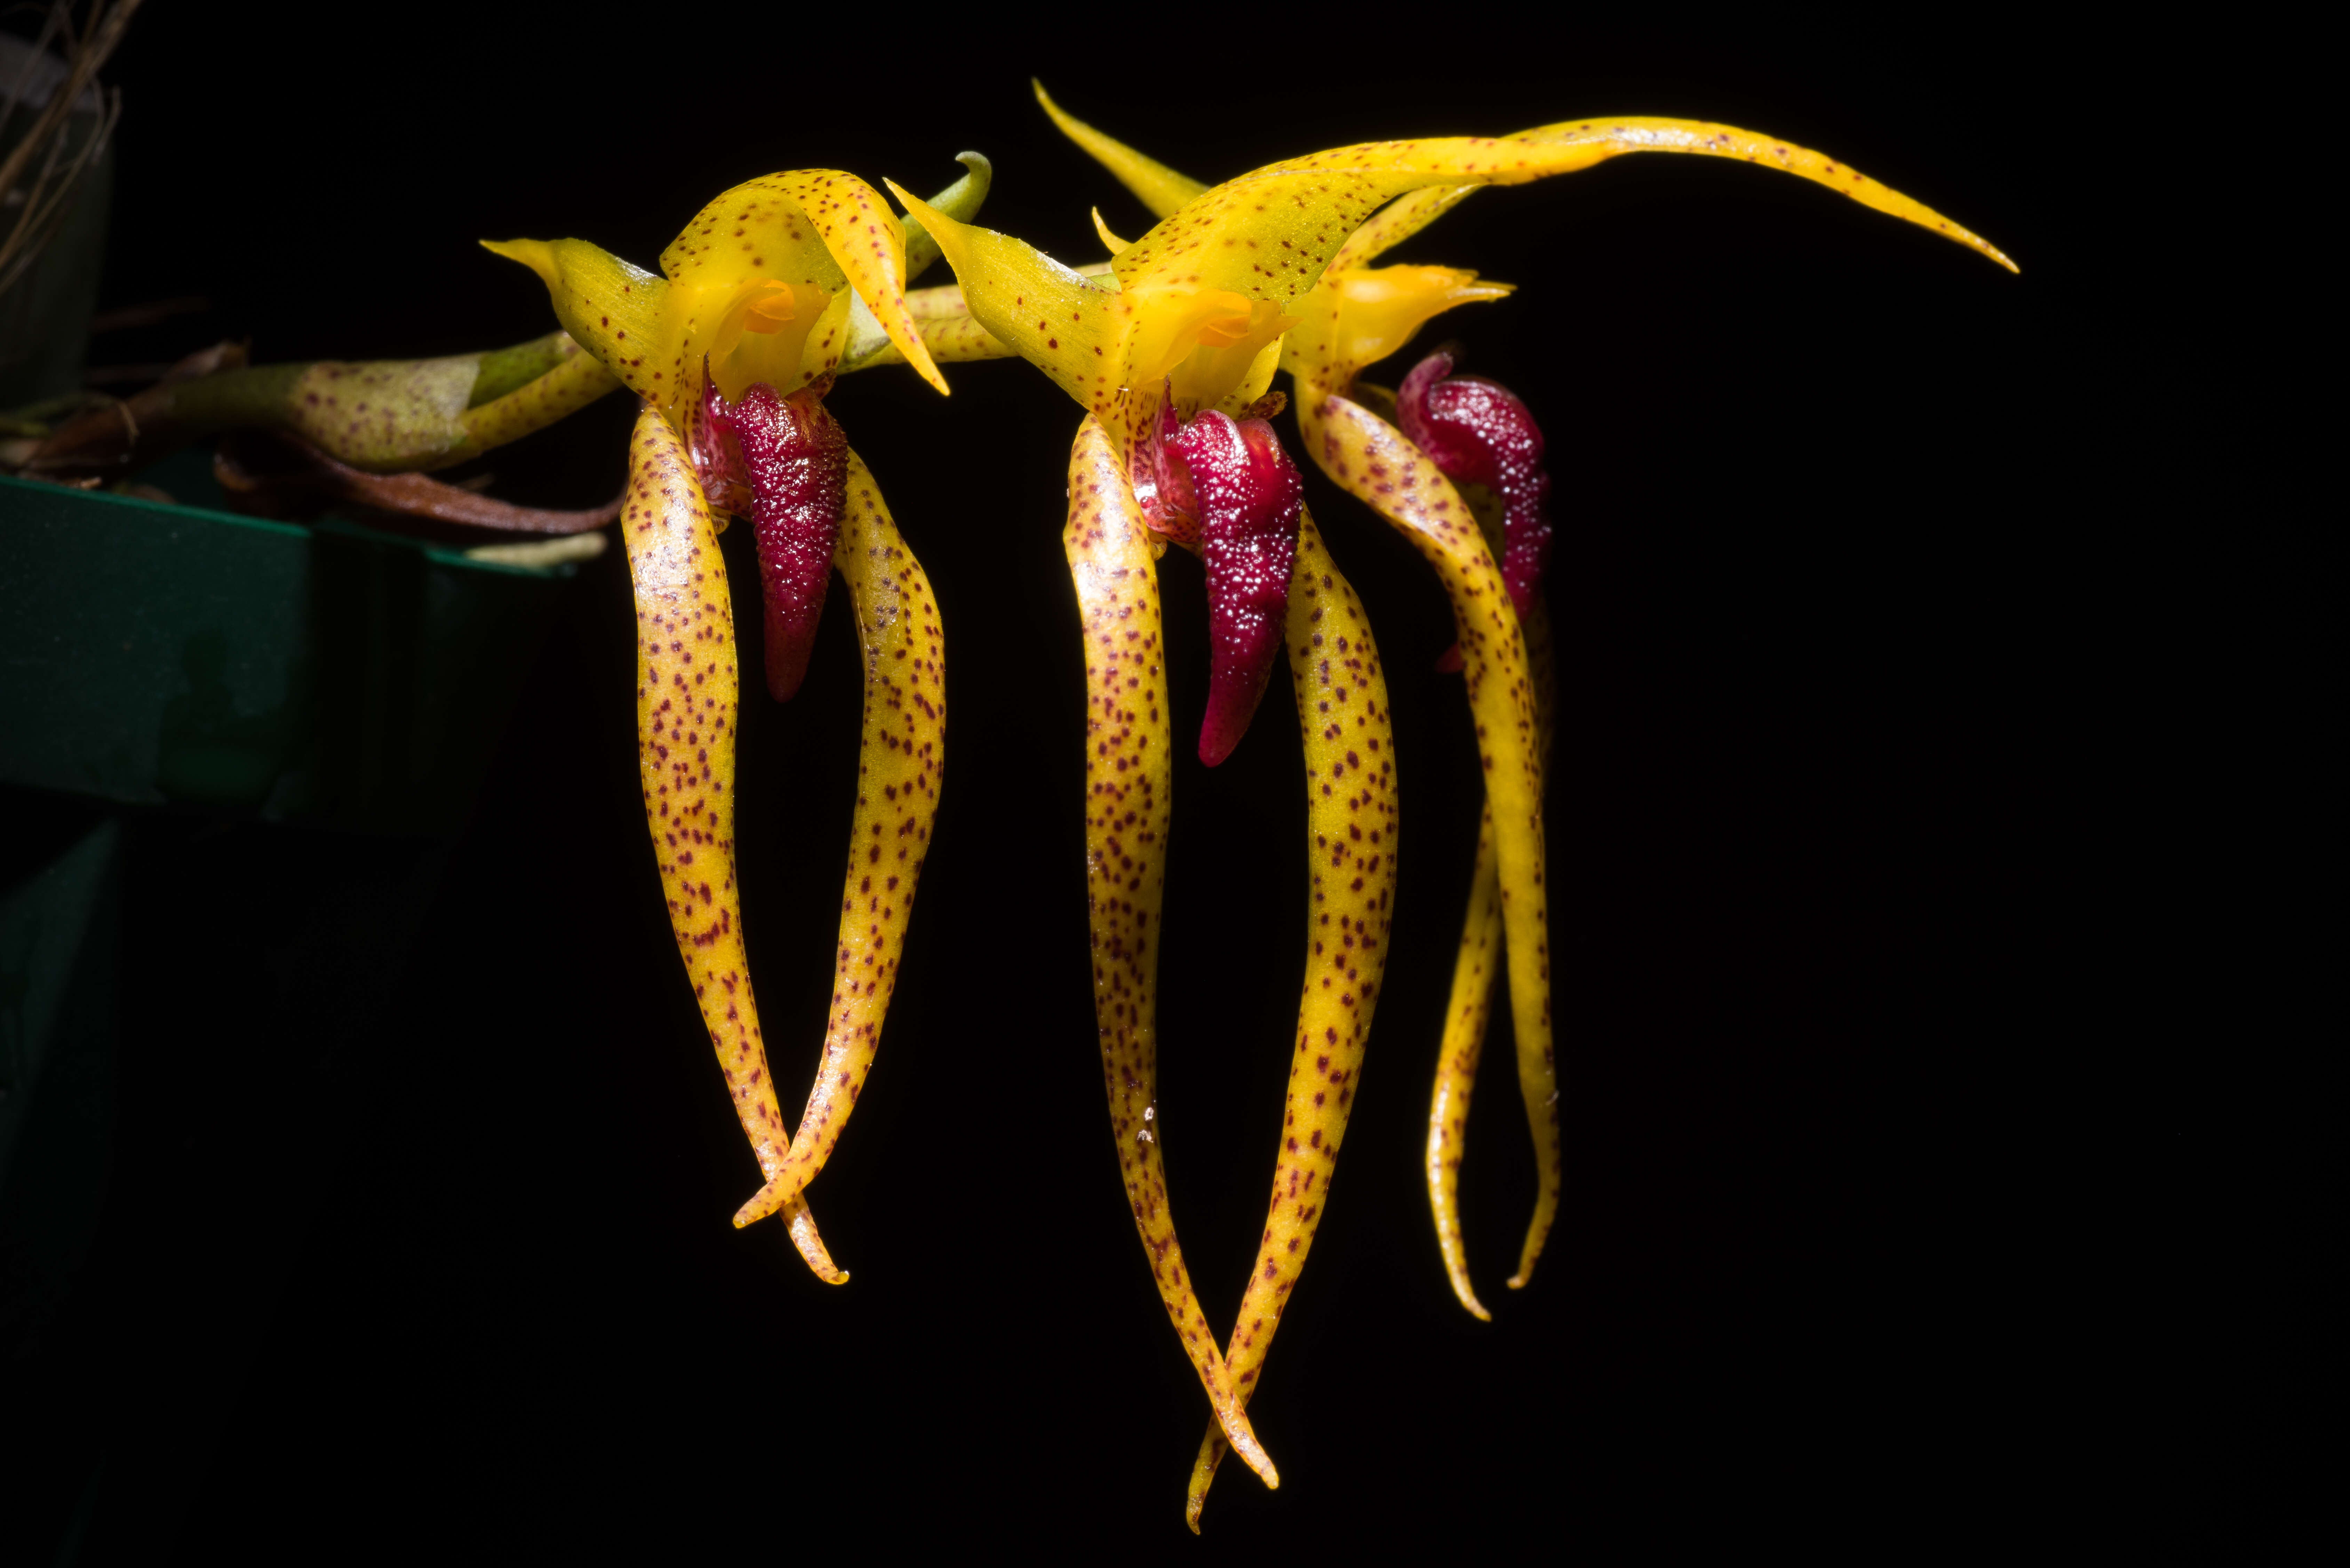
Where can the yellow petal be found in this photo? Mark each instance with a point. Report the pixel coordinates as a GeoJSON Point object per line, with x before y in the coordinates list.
{"type": "Point", "coordinates": [868, 340]}
{"type": "Point", "coordinates": [1254, 383]}
{"type": "Point", "coordinates": [764, 335]}
{"type": "Point", "coordinates": [821, 227]}
{"type": "Point", "coordinates": [1230, 357]}
{"type": "Point", "coordinates": [1160, 189]}
{"type": "Point", "coordinates": [1171, 323]}
{"type": "Point", "coordinates": [1111, 241]}
{"type": "Point", "coordinates": [1359, 317]}
{"type": "Point", "coordinates": [617, 312]}
{"type": "Point", "coordinates": [827, 341]}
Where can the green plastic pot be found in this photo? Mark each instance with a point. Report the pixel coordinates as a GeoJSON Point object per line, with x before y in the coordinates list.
{"type": "Point", "coordinates": [153, 654]}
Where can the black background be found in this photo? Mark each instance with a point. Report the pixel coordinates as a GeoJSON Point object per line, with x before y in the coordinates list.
{"type": "Point", "coordinates": [1830, 541]}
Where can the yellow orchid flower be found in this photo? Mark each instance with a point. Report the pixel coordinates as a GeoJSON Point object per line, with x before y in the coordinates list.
{"type": "Point", "coordinates": [1271, 270]}
{"type": "Point", "coordinates": [1170, 369]}
{"type": "Point", "coordinates": [731, 347]}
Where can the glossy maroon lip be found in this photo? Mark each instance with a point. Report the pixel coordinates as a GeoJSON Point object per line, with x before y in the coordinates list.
{"type": "Point", "coordinates": [1478, 432]}
{"type": "Point", "coordinates": [1226, 487]}
{"type": "Point", "coordinates": [784, 462]}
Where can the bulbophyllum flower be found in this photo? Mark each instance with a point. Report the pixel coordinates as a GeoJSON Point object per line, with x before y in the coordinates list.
{"type": "Point", "coordinates": [731, 348]}
{"type": "Point", "coordinates": [1171, 359]}
{"type": "Point", "coordinates": [1463, 478]}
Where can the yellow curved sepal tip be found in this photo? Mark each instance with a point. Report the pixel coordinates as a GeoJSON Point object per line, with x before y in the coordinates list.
{"type": "Point", "coordinates": [1163, 189]}
{"type": "Point", "coordinates": [942, 228]}
{"type": "Point", "coordinates": [1537, 1234]}
{"type": "Point", "coordinates": [901, 753]}
{"type": "Point", "coordinates": [761, 1203]}
{"type": "Point", "coordinates": [1111, 241]}
{"type": "Point", "coordinates": [1254, 1456]}
{"type": "Point", "coordinates": [799, 1227]}
{"type": "Point", "coordinates": [535, 254]}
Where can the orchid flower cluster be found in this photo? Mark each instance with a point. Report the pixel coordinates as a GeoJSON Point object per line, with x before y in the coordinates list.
{"type": "Point", "coordinates": [1171, 348]}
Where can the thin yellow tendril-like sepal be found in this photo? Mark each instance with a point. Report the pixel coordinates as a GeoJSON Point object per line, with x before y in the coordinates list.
{"type": "Point", "coordinates": [687, 692]}
{"type": "Point", "coordinates": [1129, 774]}
{"type": "Point", "coordinates": [899, 757]}
{"type": "Point", "coordinates": [1473, 972]}
{"type": "Point", "coordinates": [1350, 818]}
{"type": "Point", "coordinates": [1371, 460]}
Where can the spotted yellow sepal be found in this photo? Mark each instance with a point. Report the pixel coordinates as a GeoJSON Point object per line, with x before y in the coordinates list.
{"type": "Point", "coordinates": [1160, 189]}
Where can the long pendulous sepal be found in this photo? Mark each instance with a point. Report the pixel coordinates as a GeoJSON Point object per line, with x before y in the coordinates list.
{"type": "Point", "coordinates": [1128, 775]}
{"type": "Point", "coordinates": [899, 757]}
{"type": "Point", "coordinates": [1457, 1054]}
{"type": "Point", "coordinates": [1371, 460]}
{"type": "Point", "coordinates": [1350, 829]}
{"type": "Point", "coordinates": [687, 693]}
{"type": "Point", "coordinates": [1473, 972]}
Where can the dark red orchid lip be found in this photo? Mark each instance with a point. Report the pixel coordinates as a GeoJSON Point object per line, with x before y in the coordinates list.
{"type": "Point", "coordinates": [1171, 506]}
{"type": "Point", "coordinates": [1478, 432]}
{"type": "Point", "coordinates": [784, 462]}
{"type": "Point", "coordinates": [1225, 487]}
